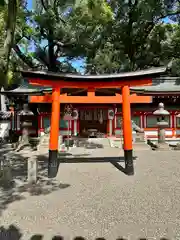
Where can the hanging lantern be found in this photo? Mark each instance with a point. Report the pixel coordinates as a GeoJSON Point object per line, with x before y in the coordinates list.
{"type": "Point", "coordinates": [68, 109]}
{"type": "Point", "coordinates": [110, 114]}
{"type": "Point", "coordinates": [75, 114]}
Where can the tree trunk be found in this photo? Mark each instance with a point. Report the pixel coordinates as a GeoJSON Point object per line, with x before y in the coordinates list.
{"type": "Point", "coordinates": [51, 55]}
{"type": "Point", "coordinates": [10, 30]}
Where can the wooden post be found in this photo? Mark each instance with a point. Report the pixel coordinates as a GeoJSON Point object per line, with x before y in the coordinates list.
{"type": "Point", "coordinates": [54, 134]}
{"type": "Point", "coordinates": [127, 130]}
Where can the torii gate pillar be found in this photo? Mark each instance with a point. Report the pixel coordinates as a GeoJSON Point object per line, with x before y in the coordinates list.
{"type": "Point", "coordinates": [54, 134]}
{"type": "Point", "coordinates": [127, 130]}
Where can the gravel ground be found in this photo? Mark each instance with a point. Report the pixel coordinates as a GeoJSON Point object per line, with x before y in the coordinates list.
{"type": "Point", "coordinates": [98, 200]}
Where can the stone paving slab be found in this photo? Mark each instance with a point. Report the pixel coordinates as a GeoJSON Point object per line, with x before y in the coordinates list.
{"type": "Point", "coordinates": [98, 200]}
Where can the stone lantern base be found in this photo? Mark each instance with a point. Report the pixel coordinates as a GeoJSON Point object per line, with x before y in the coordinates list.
{"type": "Point", "coordinates": [162, 145]}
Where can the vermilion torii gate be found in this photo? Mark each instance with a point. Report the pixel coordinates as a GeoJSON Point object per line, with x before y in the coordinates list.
{"type": "Point", "coordinates": [114, 81]}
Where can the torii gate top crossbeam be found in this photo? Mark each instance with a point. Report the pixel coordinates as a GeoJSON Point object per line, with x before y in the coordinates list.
{"type": "Point", "coordinates": [92, 81]}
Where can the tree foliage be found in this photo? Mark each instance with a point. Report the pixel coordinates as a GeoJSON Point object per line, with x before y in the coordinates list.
{"type": "Point", "coordinates": [136, 38]}
{"type": "Point", "coordinates": [8, 18]}
{"type": "Point", "coordinates": [56, 24]}
{"type": "Point", "coordinates": [110, 36]}
{"type": "Point", "coordinates": [12, 21]}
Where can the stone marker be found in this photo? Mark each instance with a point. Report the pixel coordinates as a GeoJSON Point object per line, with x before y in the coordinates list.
{"type": "Point", "coordinates": [32, 169]}
{"type": "Point", "coordinates": [32, 164]}
{"type": "Point", "coordinates": [6, 174]}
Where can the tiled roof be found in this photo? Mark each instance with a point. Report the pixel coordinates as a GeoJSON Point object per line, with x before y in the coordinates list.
{"type": "Point", "coordinates": [163, 85]}
{"type": "Point", "coordinates": [25, 89]}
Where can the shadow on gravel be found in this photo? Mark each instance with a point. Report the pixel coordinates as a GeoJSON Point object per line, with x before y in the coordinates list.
{"type": "Point", "coordinates": [115, 161]}
{"type": "Point", "coordinates": [14, 233]}
{"type": "Point", "coordinates": [19, 189]}
{"type": "Point", "coordinates": [69, 158]}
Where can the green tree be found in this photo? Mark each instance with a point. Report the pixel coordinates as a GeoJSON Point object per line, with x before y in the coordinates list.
{"type": "Point", "coordinates": [55, 36]}
{"type": "Point", "coordinates": [135, 38]}
{"type": "Point", "coordinates": [112, 36]}
{"type": "Point", "coordinates": [174, 49]}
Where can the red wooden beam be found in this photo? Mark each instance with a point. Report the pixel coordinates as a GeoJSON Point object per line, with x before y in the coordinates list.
{"type": "Point", "coordinates": [98, 84]}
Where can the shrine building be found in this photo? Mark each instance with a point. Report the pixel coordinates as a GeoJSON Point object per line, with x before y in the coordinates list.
{"type": "Point", "coordinates": [101, 109]}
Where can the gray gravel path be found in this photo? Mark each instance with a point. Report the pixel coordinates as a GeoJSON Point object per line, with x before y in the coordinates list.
{"type": "Point", "coordinates": [98, 200]}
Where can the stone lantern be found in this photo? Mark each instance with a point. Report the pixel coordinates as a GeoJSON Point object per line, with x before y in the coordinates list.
{"type": "Point", "coordinates": [26, 124]}
{"type": "Point", "coordinates": [161, 113]}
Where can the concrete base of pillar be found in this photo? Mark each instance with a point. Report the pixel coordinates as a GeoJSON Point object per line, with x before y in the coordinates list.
{"type": "Point", "coordinates": [129, 165]}
{"type": "Point", "coordinates": [53, 163]}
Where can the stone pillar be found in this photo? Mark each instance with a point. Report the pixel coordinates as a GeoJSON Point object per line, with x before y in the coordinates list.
{"type": "Point", "coordinates": [32, 169]}
{"type": "Point", "coordinates": [6, 171]}
{"type": "Point", "coordinates": [162, 124]}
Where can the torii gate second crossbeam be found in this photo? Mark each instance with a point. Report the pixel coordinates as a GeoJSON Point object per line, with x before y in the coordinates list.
{"type": "Point", "coordinates": [124, 81]}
